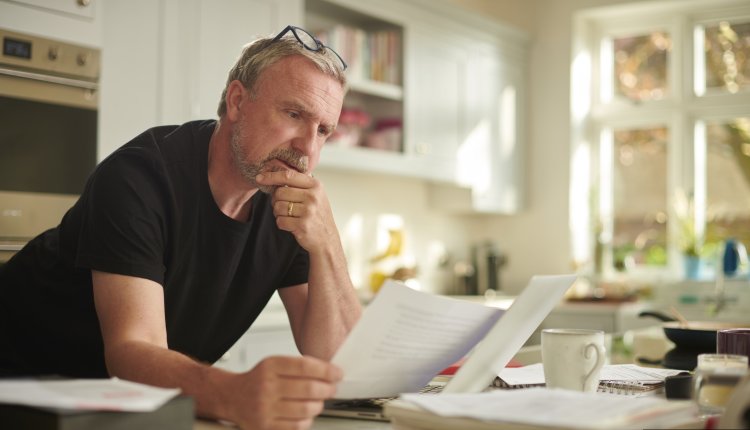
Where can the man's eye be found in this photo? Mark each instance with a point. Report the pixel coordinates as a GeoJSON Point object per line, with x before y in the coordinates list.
{"type": "Point", "coordinates": [323, 131]}
{"type": "Point", "coordinates": [293, 114]}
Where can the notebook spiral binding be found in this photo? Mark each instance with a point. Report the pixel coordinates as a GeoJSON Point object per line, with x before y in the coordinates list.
{"type": "Point", "coordinates": [626, 388]}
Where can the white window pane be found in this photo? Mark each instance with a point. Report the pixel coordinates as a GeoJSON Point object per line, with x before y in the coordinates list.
{"type": "Point", "coordinates": [728, 181]}
{"type": "Point", "coordinates": [640, 197]}
{"type": "Point", "coordinates": [727, 56]}
{"type": "Point", "coordinates": [640, 66]}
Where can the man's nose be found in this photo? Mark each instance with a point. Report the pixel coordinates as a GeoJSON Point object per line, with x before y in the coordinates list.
{"type": "Point", "coordinates": [307, 141]}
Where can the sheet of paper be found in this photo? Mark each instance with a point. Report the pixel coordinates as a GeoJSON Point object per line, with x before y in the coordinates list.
{"type": "Point", "coordinates": [534, 374]}
{"type": "Point", "coordinates": [405, 337]}
{"type": "Point", "coordinates": [556, 408]}
{"type": "Point", "coordinates": [85, 394]}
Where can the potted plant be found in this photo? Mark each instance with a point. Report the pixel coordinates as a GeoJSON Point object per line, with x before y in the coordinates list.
{"type": "Point", "coordinates": [690, 241]}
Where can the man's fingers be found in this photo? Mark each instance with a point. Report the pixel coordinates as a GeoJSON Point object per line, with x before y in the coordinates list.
{"type": "Point", "coordinates": [299, 409]}
{"type": "Point", "coordinates": [288, 177]}
{"type": "Point", "coordinates": [296, 388]}
{"type": "Point", "coordinates": [289, 424]}
{"type": "Point", "coordinates": [307, 367]}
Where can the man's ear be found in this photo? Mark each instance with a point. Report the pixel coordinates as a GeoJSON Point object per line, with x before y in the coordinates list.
{"type": "Point", "coordinates": [236, 94]}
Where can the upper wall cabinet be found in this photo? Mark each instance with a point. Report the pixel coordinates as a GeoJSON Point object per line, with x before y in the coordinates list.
{"type": "Point", "coordinates": [166, 61]}
{"type": "Point", "coordinates": [74, 21]}
{"type": "Point", "coordinates": [203, 40]}
{"type": "Point", "coordinates": [459, 121]}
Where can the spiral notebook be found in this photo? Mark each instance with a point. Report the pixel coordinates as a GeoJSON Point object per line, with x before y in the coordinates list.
{"type": "Point", "coordinates": [622, 379]}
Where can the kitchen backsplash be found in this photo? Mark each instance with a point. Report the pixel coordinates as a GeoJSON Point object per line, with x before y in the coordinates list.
{"type": "Point", "coordinates": [367, 207]}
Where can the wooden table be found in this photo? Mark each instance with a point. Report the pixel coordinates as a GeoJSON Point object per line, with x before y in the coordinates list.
{"type": "Point", "coordinates": [321, 423]}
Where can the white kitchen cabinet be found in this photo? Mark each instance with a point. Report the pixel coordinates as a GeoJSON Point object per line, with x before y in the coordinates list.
{"type": "Point", "coordinates": [215, 39]}
{"type": "Point", "coordinates": [435, 83]}
{"type": "Point", "coordinates": [73, 21]}
{"type": "Point", "coordinates": [462, 105]}
{"type": "Point", "coordinates": [166, 61]}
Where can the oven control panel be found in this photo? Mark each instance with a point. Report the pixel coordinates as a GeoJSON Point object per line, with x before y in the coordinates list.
{"type": "Point", "coordinates": [42, 55]}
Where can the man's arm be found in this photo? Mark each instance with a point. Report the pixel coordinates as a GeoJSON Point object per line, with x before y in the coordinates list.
{"type": "Point", "coordinates": [278, 392]}
{"type": "Point", "coordinates": [323, 311]}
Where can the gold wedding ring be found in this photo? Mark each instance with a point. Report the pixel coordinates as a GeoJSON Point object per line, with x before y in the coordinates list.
{"type": "Point", "coordinates": [289, 209]}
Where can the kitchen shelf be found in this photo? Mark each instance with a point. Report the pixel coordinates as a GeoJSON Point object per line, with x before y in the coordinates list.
{"type": "Point", "coordinates": [378, 89]}
{"type": "Point", "coordinates": [362, 159]}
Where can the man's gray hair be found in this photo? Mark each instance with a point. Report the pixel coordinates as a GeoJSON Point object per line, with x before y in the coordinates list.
{"type": "Point", "coordinates": [262, 53]}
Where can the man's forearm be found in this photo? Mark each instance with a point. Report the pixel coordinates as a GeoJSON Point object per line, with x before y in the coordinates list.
{"type": "Point", "coordinates": [332, 304]}
{"type": "Point", "coordinates": [154, 365]}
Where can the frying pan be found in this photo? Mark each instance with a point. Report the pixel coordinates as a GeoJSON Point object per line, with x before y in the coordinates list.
{"type": "Point", "coordinates": [696, 335]}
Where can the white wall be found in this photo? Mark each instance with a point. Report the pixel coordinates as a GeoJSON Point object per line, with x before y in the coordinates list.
{"type": "Point", "coordinates": [359, 200]}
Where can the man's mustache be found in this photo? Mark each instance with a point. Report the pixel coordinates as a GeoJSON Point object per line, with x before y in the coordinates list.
{"type": "Point", "coordinates": [290, 157]}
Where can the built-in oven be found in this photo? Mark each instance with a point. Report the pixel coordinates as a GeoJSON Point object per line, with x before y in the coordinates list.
{"type": "Point", "coordinates": [48, 132]}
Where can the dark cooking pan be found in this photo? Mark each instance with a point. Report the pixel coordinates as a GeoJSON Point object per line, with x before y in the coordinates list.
{"type": "Point", "coordinates": [696, 335]}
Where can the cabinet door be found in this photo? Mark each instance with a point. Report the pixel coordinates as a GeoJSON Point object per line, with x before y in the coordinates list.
{"type": "Point", "coordinates": [435, 101]}
{"type": "Point", "coordinates": [66, 20]}
{"type": "Point", "coordinates": [221, 33]}
{"type": "Point", "coordinates": [489, 161]}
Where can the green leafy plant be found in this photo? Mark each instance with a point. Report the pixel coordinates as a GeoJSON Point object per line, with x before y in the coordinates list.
{"type": "Point", "coordinates": [690, 241]}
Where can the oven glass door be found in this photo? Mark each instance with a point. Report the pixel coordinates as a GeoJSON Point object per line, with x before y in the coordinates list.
{"type": "Point", "coordinates": [46, 147]}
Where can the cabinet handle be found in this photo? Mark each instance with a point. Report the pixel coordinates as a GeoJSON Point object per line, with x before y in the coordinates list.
{"type": "Point", "coordinates": [84, 3]}
{"type": "Point", "coordinates": [423, 149]}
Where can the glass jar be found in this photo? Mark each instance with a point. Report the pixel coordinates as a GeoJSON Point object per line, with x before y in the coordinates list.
{"type": "Point", "coordinates": [716, 376]}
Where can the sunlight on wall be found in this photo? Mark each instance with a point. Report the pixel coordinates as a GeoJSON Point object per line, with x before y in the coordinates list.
{"type": "Point", "coordinates": [580, 167]}
{"type": "Point", "coordinates": [352, 240]}
{"type": "Point", "coordinates": [580, 216]}
{"type": "Point", "coordinates": [476, 147]}
{"type": "Point", "coordinates": [606, 63]}
{"type": "Point", "coordinates": [699, 57]}
{"type": "Point", "coordinates": [508, 133]}
{"type": "Point", "coordinates": [580, 96]}
{"type": "Point", "coordinates": [699, 182]}
{"type": "Point", "coordinates": [606, 179]}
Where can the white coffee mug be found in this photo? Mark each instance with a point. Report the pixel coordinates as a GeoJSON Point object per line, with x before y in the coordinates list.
{"type": "Point", "coordinates": [572, 358]}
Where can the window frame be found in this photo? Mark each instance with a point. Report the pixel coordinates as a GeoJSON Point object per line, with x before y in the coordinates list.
{"type": "Point", "coordinates": [681, 111]}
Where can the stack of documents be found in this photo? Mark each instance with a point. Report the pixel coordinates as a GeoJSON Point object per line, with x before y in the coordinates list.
{"type": "Point", "coordinates": [536, 408]}
{"type": "Point", "coordinates": [92, 404]}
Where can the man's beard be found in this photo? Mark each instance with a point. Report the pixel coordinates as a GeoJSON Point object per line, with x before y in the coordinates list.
{"type": "Point", "coordinates": [250, 170]}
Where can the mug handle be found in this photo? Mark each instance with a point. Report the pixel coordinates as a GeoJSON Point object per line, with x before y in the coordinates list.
{"type": "Point", "coordinates": [599, 361]}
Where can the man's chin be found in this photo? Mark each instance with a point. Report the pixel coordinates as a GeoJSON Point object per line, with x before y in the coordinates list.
{"type": "Point", "coordinates": [267, 189]}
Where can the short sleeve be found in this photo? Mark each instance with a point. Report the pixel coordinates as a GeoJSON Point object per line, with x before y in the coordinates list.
{"type": "Point", "coordinates": [123, 226]}
{"type": "Point", "coordinates": [299, 270]}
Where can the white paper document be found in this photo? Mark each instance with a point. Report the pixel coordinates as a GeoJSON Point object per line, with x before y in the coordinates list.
{"type": "Point", "coordinates": [85, 394]}
{"type": "Point", "coordinates": [405, 337]}
{"type": "Point", "coordinates": [558, 408]}
{"type": "Point", "coordinates": [534, 374]}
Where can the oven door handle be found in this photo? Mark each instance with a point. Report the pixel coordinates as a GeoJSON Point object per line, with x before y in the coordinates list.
{"type": "Point", "coordinates": [49, 78]}
{"type": "Point", "coordinates": [10, 247]}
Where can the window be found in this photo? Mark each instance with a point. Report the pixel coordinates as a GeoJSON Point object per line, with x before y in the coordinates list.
{"type": "Point", "coordinates": [660, 96]}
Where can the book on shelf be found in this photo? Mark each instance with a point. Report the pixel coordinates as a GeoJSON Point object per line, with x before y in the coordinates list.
{"type": "Point", "coordinates": [373, 55]}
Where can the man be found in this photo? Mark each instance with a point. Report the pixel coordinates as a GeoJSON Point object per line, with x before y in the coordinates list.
{"type": "Point", "coordinates": [171, 252]}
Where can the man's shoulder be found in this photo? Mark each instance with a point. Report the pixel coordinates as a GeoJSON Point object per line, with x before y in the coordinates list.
{"type": "Point", "coordinates": [190, 131]}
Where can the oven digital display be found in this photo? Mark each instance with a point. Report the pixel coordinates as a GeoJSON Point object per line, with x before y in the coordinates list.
{"type": "Point", "coordinates": [16, 48]}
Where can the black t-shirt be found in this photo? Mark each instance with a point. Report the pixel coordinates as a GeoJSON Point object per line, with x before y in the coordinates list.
{"type": "Point", "coordinates": [147, 211]}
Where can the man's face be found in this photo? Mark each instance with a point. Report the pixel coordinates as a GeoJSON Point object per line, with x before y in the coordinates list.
{"type": "Point", "coordinates": [286, 123]}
